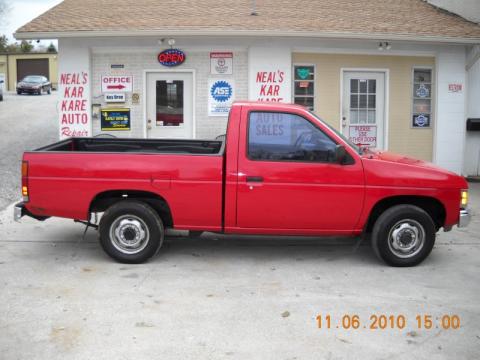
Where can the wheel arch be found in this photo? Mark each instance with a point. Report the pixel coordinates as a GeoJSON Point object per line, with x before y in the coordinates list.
{"type": "Point", "coordinates": [432, 206]}
{"type": "Point", "coordinates": [104, 200]}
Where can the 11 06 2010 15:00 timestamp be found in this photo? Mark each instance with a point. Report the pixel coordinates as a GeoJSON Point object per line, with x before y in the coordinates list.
{"type": "Point", "coordinates": [383, 322]}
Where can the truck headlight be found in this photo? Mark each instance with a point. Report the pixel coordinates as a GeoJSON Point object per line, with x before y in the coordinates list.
{"type": "Point", "coordinates": [463, 199]}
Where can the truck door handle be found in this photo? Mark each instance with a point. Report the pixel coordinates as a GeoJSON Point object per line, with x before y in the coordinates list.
{"type": "Point", "coordinates": [254, 178]}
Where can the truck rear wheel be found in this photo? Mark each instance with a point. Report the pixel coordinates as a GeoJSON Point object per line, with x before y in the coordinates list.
{"type": "Point", "coordinates": [131, 232]}
{"type": "Point", "coordinates": [403, 235]}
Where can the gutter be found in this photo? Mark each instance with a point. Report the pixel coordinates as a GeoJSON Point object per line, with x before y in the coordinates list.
{"type": "Point", "coordinates": [236, 33]}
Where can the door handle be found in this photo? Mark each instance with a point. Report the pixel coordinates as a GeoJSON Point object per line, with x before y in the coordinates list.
{"type": "Point", "coordinates": [254, 178]}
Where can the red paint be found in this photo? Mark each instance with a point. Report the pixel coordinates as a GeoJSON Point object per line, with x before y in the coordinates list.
{"type": "Point", "coordinates": [294, 198]}
{"type": "Point", "coordinates": [119, 87]}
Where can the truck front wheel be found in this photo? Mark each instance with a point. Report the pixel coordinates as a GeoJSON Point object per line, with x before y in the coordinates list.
{"type": "Point", "coordinates": [403, 235]}
{"type": "Point", "coordinates": [131, 232]}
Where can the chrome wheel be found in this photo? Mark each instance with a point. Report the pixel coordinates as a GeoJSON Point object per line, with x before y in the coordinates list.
{"type": "Point", "coordinates": [406, 238]}
{"type": "Point", "coordinates": [129, 234]}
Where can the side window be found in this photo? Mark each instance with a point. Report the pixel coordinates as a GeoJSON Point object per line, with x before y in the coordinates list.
{"type": "Point", "coordinates": [287, 137]}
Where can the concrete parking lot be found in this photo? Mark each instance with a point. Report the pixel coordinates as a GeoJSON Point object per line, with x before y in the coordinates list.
{"type": "Point", "coordinates": [219, 297]}
{"type": "Point", "coordinates": [26, 122]}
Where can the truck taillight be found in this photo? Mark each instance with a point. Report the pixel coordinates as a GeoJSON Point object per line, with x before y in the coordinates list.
{"type": "Point", "coordinates": [25, 181]}
{"type": "Point", "coordinates": [464, 199]}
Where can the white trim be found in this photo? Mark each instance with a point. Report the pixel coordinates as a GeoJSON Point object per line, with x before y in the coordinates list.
{"type": "Point", "coordinates": [194, 100]}
{"type": "Point", "coordinates": [386, 121]}
{"type": "Point", "coordinates": [234, 33]}
{"type": "Point", "coordinates": [159, 48]}
{"type": "Point", "coordinates": [360, 51]}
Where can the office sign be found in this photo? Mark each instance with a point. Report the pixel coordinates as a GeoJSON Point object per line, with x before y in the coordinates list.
{"type": "Point", "coordinates": [117, 83]}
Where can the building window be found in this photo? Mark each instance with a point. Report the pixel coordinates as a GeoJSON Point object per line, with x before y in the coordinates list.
{"type": "Point", "coordinates": [422, 98]}
{"type": "Point", "coordinates": [304, 85]}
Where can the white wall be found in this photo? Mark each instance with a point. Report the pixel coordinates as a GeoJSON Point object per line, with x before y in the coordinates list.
{"type": "Point", "coordinates": [450, 117]}
{"type": "Point", "coordinates": [472, 145]}
{"type": "Point", "coordinates": [136, 61]}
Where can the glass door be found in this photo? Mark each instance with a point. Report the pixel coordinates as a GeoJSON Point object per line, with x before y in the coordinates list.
{"type": "Point", "coordinates": [169, 105]}
{"type": "Point", "coordinates": [363, 108]}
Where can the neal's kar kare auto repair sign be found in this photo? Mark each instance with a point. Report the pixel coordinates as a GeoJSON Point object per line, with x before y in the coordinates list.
{"type": "Point", "coordinates": [74, 112]}
{"type": "Point", "coordinates": [269, 75]}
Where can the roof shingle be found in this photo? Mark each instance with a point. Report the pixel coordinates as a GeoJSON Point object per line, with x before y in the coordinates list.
{"type": "Point", "coordinates": [369, 17]}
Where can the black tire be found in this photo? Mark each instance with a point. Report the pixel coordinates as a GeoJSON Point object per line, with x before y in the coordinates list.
{"type": "Point", "coordinates": [401, 227]}
{"type": "Point", "coordinates": [137, 218]}
{"type": "Point", "coordinates": [19, 92]}
{"type": "Point", "coordinates": [49, 91]}
{"type": "Point", "coordinates": [1, 97]}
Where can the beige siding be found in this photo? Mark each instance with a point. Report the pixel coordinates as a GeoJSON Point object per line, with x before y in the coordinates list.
{"type": "Point", "coordinates": [401, 137]}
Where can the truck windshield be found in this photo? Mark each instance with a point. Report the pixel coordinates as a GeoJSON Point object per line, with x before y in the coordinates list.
{"type": "Point", "coordinates": [352, 145]}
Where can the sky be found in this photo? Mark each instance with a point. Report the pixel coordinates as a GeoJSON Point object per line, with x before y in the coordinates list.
{"type": "Point", "coordinates": [21, 12]}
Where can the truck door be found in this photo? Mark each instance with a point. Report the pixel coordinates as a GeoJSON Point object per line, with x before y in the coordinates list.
{"type": "Point", "coordinates": [288, 180]}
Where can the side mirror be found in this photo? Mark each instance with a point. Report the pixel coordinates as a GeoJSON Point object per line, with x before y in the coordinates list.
{"type": "Point", "coordinates": [340, 154]}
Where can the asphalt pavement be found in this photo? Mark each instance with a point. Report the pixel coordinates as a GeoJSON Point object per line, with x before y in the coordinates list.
{"type": "Point", "coordinates": [26, 122]}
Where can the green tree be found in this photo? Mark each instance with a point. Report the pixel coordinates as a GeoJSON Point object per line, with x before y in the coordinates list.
{"type": "Point", "coordinates": [3, 43]}
{"type": "Point", "coordinates": [51, 48]}
{"type": "Point", "coordinates": [26, 46]}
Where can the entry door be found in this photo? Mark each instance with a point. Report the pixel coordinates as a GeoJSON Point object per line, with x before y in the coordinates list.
{"type": "Point", "coordinates": [363, 113]}
{"type": "Point", "coordinates": [170, 105]}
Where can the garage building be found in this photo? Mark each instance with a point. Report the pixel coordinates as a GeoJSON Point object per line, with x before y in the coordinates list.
{"type": "Point", "coordinates": [15, 66]}
{"type": "Point", "coordinates": [399, 75]}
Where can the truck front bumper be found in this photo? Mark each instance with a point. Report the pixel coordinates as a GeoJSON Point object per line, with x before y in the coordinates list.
{"type": "Point", "coordinates": [464, 218]}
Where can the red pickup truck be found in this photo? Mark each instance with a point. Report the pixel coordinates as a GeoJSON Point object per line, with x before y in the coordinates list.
{"type": "Point", "coordinates": [279, 171]}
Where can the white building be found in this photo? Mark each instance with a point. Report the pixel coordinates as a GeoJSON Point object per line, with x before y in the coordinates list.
{"type": "Point", "coordinates": [403, 78]}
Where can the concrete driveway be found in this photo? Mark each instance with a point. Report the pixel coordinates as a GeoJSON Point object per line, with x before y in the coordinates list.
{"type": "Point", "coordinates": [26, 122]}
{"type": "Point", "coordinates": [231, 298]}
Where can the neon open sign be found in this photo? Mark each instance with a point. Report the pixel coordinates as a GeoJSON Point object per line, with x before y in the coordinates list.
{"type": "Point", "coordinates": [171, 57]}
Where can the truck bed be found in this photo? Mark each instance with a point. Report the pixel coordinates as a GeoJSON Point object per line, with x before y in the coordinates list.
{"type": "Point", "coordinates": [109, 145]}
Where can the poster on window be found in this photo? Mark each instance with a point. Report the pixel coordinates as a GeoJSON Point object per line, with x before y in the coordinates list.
{"type": "Point", "coordinates": [220, 96]}
{"type": "Point", "coordinates": [421, 120]}
{"type": "Point", "coordinates": [363, 135]}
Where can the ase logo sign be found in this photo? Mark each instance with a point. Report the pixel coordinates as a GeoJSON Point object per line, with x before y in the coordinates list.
{"type": "Point", "coordinates": [221, 91]}
{"type": "Point", "coordinates": [220, 97]}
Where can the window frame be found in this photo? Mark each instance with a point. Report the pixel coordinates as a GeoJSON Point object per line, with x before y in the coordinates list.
{"type": "Point", "coordinates": [314, 96]}
{"type": "Point", "coordinates": [247, 138]}
{"type": "Point", "coordinates": [432, 96]}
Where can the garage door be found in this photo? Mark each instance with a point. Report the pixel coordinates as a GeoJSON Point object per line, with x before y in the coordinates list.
{"type": "Point", "coordinates": [32, 67]}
